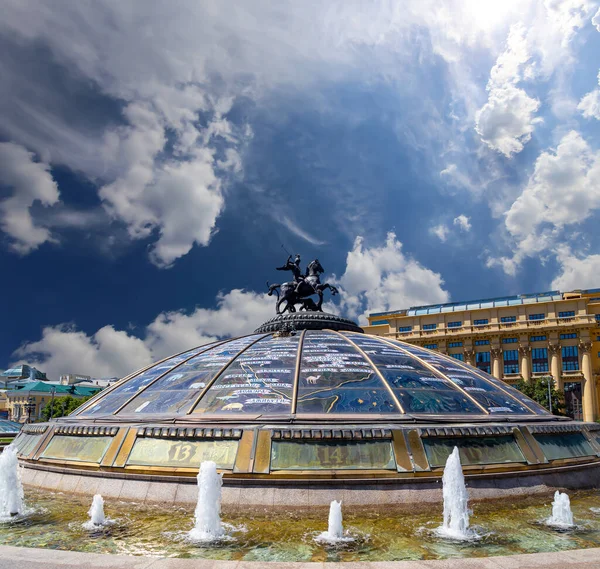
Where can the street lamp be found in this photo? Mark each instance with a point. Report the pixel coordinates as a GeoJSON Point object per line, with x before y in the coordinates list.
{"type": "Point", "coordinates": [29, 407]}
{"type": "Point", "coordinates": [52, 392]}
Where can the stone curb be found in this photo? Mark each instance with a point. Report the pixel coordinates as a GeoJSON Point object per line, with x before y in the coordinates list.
{"type": "Point", "coordinates": [30, 558]}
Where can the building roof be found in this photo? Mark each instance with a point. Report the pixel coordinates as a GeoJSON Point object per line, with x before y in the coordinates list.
{"type": "Point", "coordinates": [45, 387]}
{"type": "Point", "coordinates": [9, 427]}
{"type": "Point", "coordinates": [514, 300]}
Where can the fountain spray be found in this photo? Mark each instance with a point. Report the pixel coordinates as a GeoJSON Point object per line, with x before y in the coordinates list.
{"type": "Point", "coordinates": [562, 516]}
{"type": "Point", "coordinates": [11, 489]}
{"type": "Point", "coordinates": [207, 526]}
{"type": "Point", "coordinates": [456, 511]}
{"type": "Point", "coordinates": [96, 511]}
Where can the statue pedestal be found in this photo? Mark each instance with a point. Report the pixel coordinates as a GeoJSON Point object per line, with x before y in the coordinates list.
{"type": "Point", "coordinates": [308, 321]}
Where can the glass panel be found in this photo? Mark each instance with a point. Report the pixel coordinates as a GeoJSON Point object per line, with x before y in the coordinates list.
{"type": "Point", "coordinates": [474, 450]}
{"type": "Point", "coordinates": [259, 381]}
{"type": "Point", "coordinates": [25, 443]}
{"type": "Point", "coordinates": [350, 455]}
{"type": "Point", "coordinates": [335, 378]}
{"type": "Point", "coordinates": [182, 454]}
{"type": "Point", "coordinates": [564, 446]}
{"type": "Point", "coordinates": [176, 392]}
{"type": "Point", "coordinates": [419, 389]}
{"type": "Point", "coordinates": [78, 449]}
{"type": "Point", "coordinates": [488, 392]}
{"type": "Point", "coordinates": [110, 402]}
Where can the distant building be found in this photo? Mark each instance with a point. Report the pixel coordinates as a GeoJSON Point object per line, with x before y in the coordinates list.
{"type": "Point", "coordinates": [37, 394]}
{"type": "Point", "coordinates": [23, 371]}
{"type": "Point", "coordinates": [524, 336]}
{"type": "Point", "coordinates": [86, 380]}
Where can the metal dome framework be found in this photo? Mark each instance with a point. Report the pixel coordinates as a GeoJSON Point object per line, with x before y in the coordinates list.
{"type": "Point", "coordinates": [311, 374]}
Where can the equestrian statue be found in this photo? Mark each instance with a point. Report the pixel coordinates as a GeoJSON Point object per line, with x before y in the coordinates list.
{"type": "Point", "coordinates": [300, 290]}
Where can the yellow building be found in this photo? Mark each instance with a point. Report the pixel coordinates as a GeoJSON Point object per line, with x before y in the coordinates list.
{"type": "Point", "coordinates": [528, 335]}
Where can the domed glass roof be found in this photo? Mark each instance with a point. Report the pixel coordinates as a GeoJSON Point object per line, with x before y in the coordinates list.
{"type": "Point", "coordinates": [312, 373]}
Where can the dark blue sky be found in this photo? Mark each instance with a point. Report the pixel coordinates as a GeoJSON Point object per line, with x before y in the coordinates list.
{"type": "Point", "coordinates": [147, 172]}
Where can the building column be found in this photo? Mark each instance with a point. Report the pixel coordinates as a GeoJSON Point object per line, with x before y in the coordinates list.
{"type": "Point", "coordinates": [589, 389]}
{"type": "Point", "coordinates": [524, 366]}
{"type": "Point", "coordinates": [496, 355]}
{"type": "Point", "coordinates": [554, 350]}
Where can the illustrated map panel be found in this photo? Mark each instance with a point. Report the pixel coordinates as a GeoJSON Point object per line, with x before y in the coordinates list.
{"type": "Point", "coordinates": [336, 378]}
{"type": "Point", "coordinates": [261, 380]}
{"type": "Point", "coordinates": [419, 389]}
{"type": "Point", "coordinates": [176, 392]}
{"type": "Point", "coordinates": [111, 401]}
{"type": "Point", "coordinates": [494, 395]}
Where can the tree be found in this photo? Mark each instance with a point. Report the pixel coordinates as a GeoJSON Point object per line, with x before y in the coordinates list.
{"type": "Point", "coordinates": [537, 390]}
{"type": "Point", "coordinates": [62, 406]}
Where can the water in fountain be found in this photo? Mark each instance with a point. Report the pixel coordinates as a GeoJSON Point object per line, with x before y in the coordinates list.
{"type": "Point", "coordinates": [11, 489]}
{"type": "Point", "coordinates": [208, 526]}
{"type": "Point", "coordinates": [562, 516]}
{"type": "Point", "coordinates": [96, 513]}
{"type": "Point", "coordinates": [335, 530]}
{"type": "Point", "coordinates": [456, 511]}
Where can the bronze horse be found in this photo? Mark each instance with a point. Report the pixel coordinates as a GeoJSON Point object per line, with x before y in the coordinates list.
{"type": "Point", "coordinates": [302, 288]}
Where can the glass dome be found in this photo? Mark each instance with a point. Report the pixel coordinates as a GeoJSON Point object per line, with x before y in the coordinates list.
{"type": "Point", "coordinates": [311, 373]}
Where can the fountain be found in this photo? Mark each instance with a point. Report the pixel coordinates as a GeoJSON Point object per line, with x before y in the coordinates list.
{"type": "Point", "coordinates": [456, 511]}
{"type": "Point", "coordinates": [335, 530]}
{"type": "Point", "coordinates": [562, 516]}
{"type": "Point", "coordinates": [11, 489]}
{"type": "Point", "coordinates": [207, 526]}
{"type": "Point", "coordinates": [96, 513]}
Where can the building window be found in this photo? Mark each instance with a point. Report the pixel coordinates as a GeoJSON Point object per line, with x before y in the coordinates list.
{"type": "Point", "coordinates": [597, 316]}
{"type": "Point", "coordinates": [430, 346]}
{"type": "Point", "coordinates": [597, 338]}
{"type": "Point", "coordinates": [570, 358]}
{"type": "Point", "coordinates": [482, 342]}
{"type": "Point", "coordinates": [566, 314]}
{"type": "Point", "coordinates": [537, 317]}
{"type": "Point", "coordinates": [537, 339]}
{"type": "Point", "coordinates": [480, 322]}
{"type": "Point", "coordinates": [405, 329]}
{"type": "Point", "coordinates": [510, 340]}
{"type": "Point", "coordinates": [511, 361]}
{"type": "Point", "coordinates": [455, 344]}
{"type": "Point", "coordinates": [568, 336]}
{"type": "Point", "coordinates": [429, 326]}
{"type": "Point", "coordinates": [458, 357]}
{"type": "Point", "coordinates": [379, 322]}
{"type": "Point", "coordinates": [482, 360]}
{"type": "Point", "coordinates": [508, 319]}
{"type": "Point", "coordinates": [539, 360]}
{"type": "Point", "coordinates": [456, 324]}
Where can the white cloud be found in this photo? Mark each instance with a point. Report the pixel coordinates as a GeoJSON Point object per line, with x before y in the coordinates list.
{"type": "Point", "coordinates": [576, 272]}
{"type": "Point", "coordinates": [562, 191]}
{"type": "Point", "coordinates": [590, 103]}
{"type": "Point", "coordinates": [506, 122]}
{"type": "Point", "coordinates": [384, 278]}
{"type": "Point", "coordinates": [109, 352]}
{"type": "Point", "coordinates": [29, 182]}
{"type": "Point", "coordinates": [440, 231]}
{"type": "Point", "coordinates": [568, 16]}
{"type": "Point", "coordinates": [463, 222]}
{"type": "Point", "coordinates": [596, 20]}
